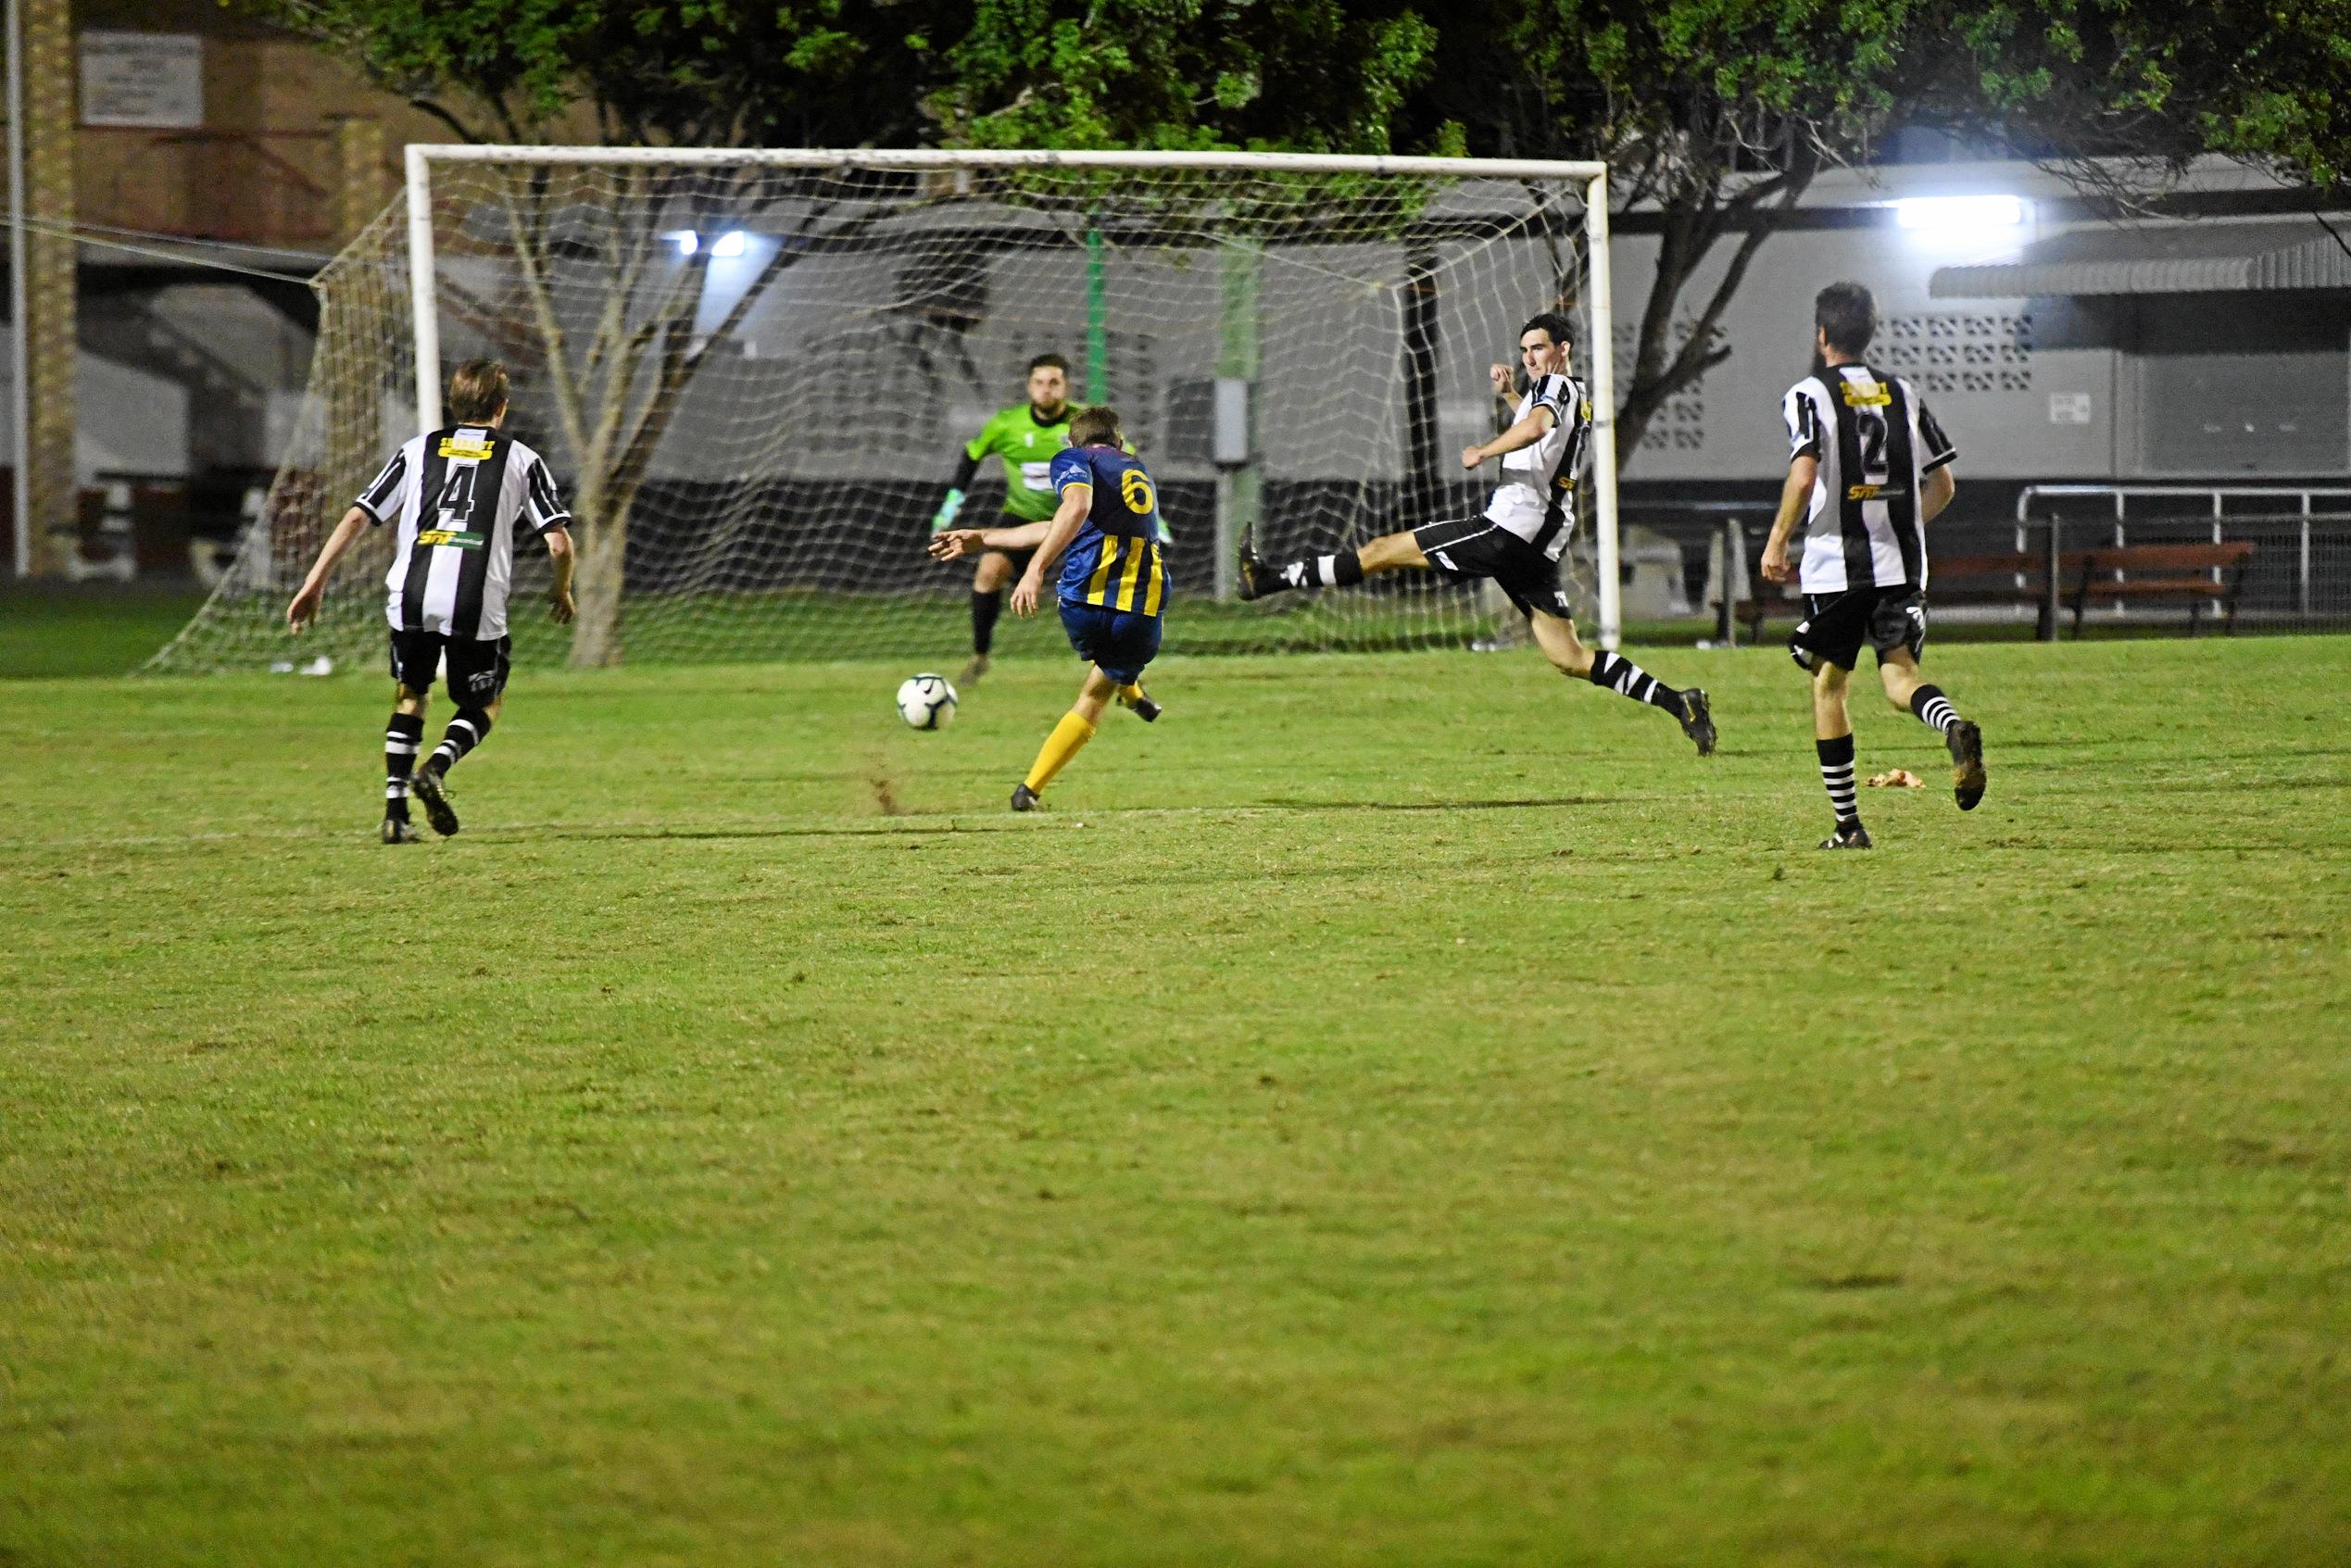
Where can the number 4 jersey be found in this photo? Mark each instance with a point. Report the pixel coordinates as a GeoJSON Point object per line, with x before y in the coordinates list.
{"type": "Point", "coordinates": [1875, 444]}
{"type": "Point", "coordinates": [457, 496]}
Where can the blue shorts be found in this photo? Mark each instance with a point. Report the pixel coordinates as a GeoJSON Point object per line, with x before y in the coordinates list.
{"type": "Point", "coordinates": [1120, 641]}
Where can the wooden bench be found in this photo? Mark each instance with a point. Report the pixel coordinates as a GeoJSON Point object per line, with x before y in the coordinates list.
{"type": "Point", "coordinates": [2017, 577]}
{"type": "Point", "coordinates": [2200, 575]}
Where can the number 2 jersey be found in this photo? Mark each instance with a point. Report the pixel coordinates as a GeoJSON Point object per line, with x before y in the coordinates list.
{"type": "Point", "coordinates": [1875, 444]}
{"type": "Point", "coordinates": [457, 496]}
{"type": "Point", "coordinates": [1115, 562]}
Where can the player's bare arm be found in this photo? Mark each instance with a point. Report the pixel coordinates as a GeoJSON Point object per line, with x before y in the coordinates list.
{"type": "Point", "coordinates": [1076, 501]}
{"type": "Point", "coordinates": [957, 542]}
{"type": "Point", "coordinates": [1526, 433]}
{"type": "Point", "coordinates": [1795, 495]}
{"type": "Point", "coordinates": [1936, 493]}
{"type": "Point", "coordinates": [559, 594]}
{"type": "Point", "coordinates": [305, 608]}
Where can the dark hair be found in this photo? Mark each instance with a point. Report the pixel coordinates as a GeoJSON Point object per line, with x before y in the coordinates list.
{"type": "Point", "coordinates": [1049, 362]}
{"type": "Point", "coordinates": [1846, 316]}
{"type": "Point", "coordinates": [1094, 427]}
{"type": "Point", "coordinates": [477, 392]}
{"type": "Point", "coordinates": [1560, 328]}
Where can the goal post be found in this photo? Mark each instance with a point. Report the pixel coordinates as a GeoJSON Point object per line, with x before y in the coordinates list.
{"type": "Point", "coordinates": [750, 370]}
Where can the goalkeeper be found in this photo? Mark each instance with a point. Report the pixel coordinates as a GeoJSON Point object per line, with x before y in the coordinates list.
{"type": "Point", "coordinates": [1026, 437]}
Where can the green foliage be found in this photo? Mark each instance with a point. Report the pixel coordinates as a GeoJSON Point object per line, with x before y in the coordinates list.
{"type": "Point", "coordinates": [691, 73]}
{"type": "Point", "coordinates": [1293, 75]}
{"type": "Point", "coordinates": [2265, 82]}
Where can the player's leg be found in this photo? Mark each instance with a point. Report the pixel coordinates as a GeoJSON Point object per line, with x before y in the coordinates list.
{"type": "Point", "coordinates": [989, 579]}
{"type": "Point", "coordinates": [1342, 568]}
{"type": "Point", "coordinates": [1898, 671]}
{"type": "Point", "coordinates": [1069, 736]}
{"type": "Point", "coordinates": [477, 683]}
{"type": "Point", "coordinates": [1832, 739]}
{"type": "Point", "coordinates": [414, 656]}
{"type": "Point", "coordinates": [1555, 635]}
{"type": "Point", "coordinates": [1119, 644]}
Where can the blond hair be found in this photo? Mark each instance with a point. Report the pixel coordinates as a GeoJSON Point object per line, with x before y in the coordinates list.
{"type": "Point", "coordinates": [477, 392]}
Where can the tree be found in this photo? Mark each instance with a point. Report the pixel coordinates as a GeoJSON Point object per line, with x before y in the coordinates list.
{"type": "Point", "coordinates": [685, 72]}
{"type": "Point", "coordinates": [1718, 113]}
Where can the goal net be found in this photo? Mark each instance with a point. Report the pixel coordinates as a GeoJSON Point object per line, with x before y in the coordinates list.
{"type": "Point", "coordinates": [754, 374]}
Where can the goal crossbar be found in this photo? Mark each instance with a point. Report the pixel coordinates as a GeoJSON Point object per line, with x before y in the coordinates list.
{"type": "Point", "coordinates": [1593, 177]}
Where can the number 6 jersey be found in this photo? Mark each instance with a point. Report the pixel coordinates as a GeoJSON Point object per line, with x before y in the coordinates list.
{"type": "Point", "coordinates": [1876, 442]}
{"type": "Point", "coordinates": [458, 494]}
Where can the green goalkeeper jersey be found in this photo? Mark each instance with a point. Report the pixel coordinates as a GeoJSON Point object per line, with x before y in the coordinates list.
{"type": "Point", "coordinates": [1027, 447]}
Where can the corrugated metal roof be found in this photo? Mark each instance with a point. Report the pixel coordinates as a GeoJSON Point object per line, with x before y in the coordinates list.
{"type": "Point", "coordinates": [2170, 258]}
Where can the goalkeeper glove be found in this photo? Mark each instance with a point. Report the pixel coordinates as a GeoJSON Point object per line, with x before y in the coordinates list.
{"type": "Point", "coordinates": [946, 510]}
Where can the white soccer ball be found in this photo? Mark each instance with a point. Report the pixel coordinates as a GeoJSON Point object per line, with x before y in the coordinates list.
{"type": "Point", "coordinates": [926, 702]}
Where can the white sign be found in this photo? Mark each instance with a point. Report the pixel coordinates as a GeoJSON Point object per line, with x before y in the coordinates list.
{"type": "Point", "coordinates": [2069, 407]}
{"type": "Point", "coordinates": [148, 78]}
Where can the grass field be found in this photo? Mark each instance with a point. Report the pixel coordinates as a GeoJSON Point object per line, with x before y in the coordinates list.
{"type": "Point", "coordinates": [1398, 1110]}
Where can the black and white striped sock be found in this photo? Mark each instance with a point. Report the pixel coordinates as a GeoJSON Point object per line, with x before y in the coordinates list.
{"type": "Point", "coordinates": [1627, 679]}
{"type": "Point", "coordinates": [1836, 777]}
{"type": "Point", "coordinates": [1934, 708]}
{"type": "Point", "coordinates": [403, 738]}
{"type": "Point", "coordinates": [1341, 570]}
{"type": "Point", "coordinates": [468, 730]}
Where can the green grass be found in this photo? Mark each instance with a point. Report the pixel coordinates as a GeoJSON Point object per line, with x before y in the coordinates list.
{"type": "Point", "coordinates": [1398, 1110]}
{"type": "Point", "coordinates": [48, 630]}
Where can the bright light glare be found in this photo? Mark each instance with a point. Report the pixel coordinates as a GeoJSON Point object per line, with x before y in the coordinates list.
{"type": "Point", "coordinates": [686, 241]}
{"type": "Point", "coordinates": [1959, 212]}
{"type": "Point", "coordinates": [733, 243]}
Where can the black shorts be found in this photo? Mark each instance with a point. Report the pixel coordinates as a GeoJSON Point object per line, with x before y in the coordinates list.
{"type": "Point", "coordinates": [1475, 548]}
{"type": "Point", "coordinates": [477, 665]}
{"type": "Point", "coordinates": [1835, 625]}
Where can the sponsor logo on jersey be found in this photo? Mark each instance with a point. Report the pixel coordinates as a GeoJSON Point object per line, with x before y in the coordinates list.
{"type": "Point", "coordinates": [452, 447]}
{"type": "Point", "coordinates": [1865, 394]}
{"type": "Point", "coordinates": [450, 536]}
{"type": "Point", "coordinates": [1863, 491]}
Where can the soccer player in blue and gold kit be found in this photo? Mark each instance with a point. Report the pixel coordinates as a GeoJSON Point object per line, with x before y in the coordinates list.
{"type": "Point", "coordinates": [1105, 533]}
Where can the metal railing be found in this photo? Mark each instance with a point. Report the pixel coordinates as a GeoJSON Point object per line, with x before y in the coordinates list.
{"type": "Point", "coordinates": [2271, 503]}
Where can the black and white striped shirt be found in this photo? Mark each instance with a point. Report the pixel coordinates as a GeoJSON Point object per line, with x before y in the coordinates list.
{"type": "Point", "coordinates": [1875, 444]}
{"type": "Point", "coordinates": [1536, 499]}
{"type": "Point", "coordinates": [458, 496]}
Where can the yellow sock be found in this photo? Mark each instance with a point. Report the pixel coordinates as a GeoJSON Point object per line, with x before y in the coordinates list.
{"type": "Point", "coordinates": [1129, 695]}
{"type": "Point", "coordinates": [1068, 736]}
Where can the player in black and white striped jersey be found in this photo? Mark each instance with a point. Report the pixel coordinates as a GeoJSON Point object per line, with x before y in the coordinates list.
{"type": "Point", "coordinates": [476, 487]}
{"type": "Point", "coordinates": [1517, 541]}
{"type": "Point", "coordinates": [1869, 468]}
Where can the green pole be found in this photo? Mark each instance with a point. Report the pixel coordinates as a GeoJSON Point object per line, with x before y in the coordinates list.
{"type": "Point", "coordinates": [1097, 313]}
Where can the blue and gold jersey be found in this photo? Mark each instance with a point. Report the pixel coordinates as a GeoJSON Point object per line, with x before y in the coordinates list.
{"type": "Point", "coordinates": [1114, 561]}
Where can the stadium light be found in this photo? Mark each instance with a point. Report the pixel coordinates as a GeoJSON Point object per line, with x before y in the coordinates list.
{"type": "Point", "coordinates": [735, 242]}
{"type": "Point", "coordinates": [686, 241]}
{"type": "Point", "coordinates": [1961, 213]}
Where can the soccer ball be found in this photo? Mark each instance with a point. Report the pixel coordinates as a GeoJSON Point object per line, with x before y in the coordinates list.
{"type": "Point", "coordinates": [926, 702]}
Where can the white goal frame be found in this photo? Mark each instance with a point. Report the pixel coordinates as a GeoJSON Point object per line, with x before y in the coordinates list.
{"type": "Point", "coordinates": [1600, 355]}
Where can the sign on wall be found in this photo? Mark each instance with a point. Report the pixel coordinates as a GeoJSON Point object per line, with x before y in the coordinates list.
{"type": "Point", "coordinates": [146, 79]}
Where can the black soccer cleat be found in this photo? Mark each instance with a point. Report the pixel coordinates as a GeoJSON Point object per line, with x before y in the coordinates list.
{"type": "Point", "coordinates": [1255, 578]}
{"type": "Point", "coordinates": [1024, 798]}
{"type": "Point", "coordinates": [973, 671]}
{"type": "Point", "coordinates": [428, 788]}
{"type": "Point", "coordinates": [1965, 742]}
{"type": "Point", "coordinates": [399, 830]}
{"type": "Point", "coordinates": [1145, 709]}
{"type": "Point", "coordinates": [1698, 721]}
{"type": "Point", "coordinates": [1847, 836]}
